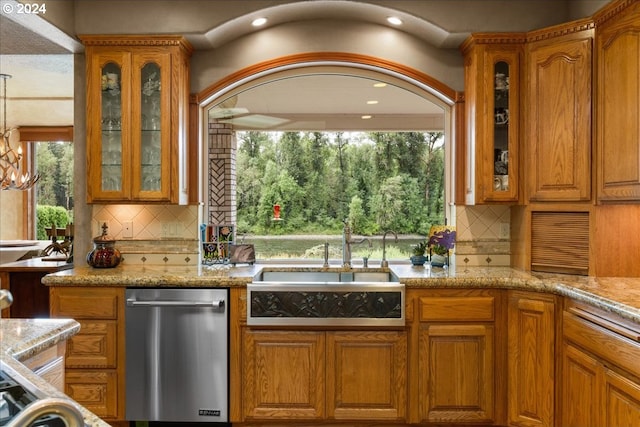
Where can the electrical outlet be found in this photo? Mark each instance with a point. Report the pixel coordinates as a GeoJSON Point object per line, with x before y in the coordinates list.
{"type": "Point", "coordinates": [505, 231]}
{"type": "Point", "coordinates": [127, 229]}
{"type": "Point", "coordinates": [170, 229]}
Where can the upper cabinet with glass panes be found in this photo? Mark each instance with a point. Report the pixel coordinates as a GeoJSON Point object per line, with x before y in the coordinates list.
{"type": "Point", "coordinates": [492, 97]}
{"type": "Point", "coordinates": [137, 104]}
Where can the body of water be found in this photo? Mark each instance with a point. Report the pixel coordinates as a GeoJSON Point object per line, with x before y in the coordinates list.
{"type": "Point", "coordinates": [312, 247]}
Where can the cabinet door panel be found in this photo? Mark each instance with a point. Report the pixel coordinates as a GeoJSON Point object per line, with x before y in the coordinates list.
{"type": "Point", "coordinates": [580, 397]}
{"type": "Point", "coordinates": [283, 374]}
{"type": "Point", "coordinates": [151, 124]}
{"type": "Point", "coordinates": [559, 131]}
{"type": "Point", "coordinates": [108, 113]}
{"type": "Point", "coordinates": [531, 360]}
{"type": "Point", "coordinates": [622, 401]}
{"type": "Point", "coordinates": [457, 373]}
{"type": "Point", "coordinates": [366, 375]}
{"type": "Point", "coordinates": [95, 390]}
{"type": "Point", "coordinates": [618, 42]}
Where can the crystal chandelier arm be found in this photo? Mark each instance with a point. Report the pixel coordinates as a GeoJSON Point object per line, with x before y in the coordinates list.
{"type": "Point", "coordinates": [11, 176]}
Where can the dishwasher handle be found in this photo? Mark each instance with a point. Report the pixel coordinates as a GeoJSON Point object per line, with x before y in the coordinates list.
{"type": "Point", "coordinates": [218, 304]}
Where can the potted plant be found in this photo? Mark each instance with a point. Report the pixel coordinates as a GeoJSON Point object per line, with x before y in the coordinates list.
{"type": "Point", "coordinates": [439, 255]}
{"type": "Point", "coordinates": [419, 251]}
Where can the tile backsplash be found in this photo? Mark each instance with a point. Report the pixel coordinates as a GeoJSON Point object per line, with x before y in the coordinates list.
{"type": "Point", "coordinates": [151, 234]}
{"type": "Point", "coordinates": [483, 235]}
{"type": "Point", "coordinates": [168, 234]}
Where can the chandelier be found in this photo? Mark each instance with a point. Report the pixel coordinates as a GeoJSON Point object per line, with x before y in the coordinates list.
{"type": "Point", "coordinates": [11, 176]}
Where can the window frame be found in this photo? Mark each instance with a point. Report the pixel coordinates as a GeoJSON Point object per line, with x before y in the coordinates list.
{"type": "Point", "coordinates": [28, 136]}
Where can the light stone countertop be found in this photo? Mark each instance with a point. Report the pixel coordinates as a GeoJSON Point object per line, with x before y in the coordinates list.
{"type": "Point", "coordinates": [21, 339]}
{"type": "Point", "coordinates": [617, 295]}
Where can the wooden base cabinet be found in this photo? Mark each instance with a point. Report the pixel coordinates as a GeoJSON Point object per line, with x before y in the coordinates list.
{"type": "Point", "coordinates": [459, 363]}
{"type": "Point", "coordinates": [283, 374]}
{"type": "Point", "coordinates": [316, 375]}
{"type": "Point", "coordinates": [531, 366]}
{"type": "Point", "coordinates": [366, 375]}
{"type": "Point", "coordinates": [600, 370]}
{"type": "Point", "coordinates": [94, 375]}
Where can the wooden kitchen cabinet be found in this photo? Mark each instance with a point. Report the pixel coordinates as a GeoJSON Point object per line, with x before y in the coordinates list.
{"type": "Point", "coordinates": [558, 113]}
{"type": "Point", "coordinates": [492, 64]}
{"type": "Point", "coordinates": [366, 375]}
{"type": "Point", "coordinates": [316, 375]}
{"type": "Point", "coordinates": [600, 370]}
{"type": "Point", "coordinates": [283, 374]}
{"type": "Point", "coordinates": [459, 356]}
{"type": "Point", "coordinates": [618, 102]}
{"type": "Point", "coordinates": [95, 362]}
{"type": "Point", "coordinates": [137, 117]}
{"type": "Point", "coordinates": [49, 365]}
{"type": "Point", "coordinates": [532, 355]}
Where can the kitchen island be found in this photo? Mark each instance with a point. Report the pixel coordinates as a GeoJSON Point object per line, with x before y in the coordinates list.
{"type": "Point", "coordinates": [23, 340]}
{"type": "Point", "coordinates": [490, 346]}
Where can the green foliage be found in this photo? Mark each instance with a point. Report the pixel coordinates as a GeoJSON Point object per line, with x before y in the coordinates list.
{"type": "Point", "coordinates": [54, 162]}
{"type": "Point", "coordinates": [379, 181]}
{"type": "Point", "coordinates": [420, 249]}
{"type": "Point", "coordinates": [49, 215]}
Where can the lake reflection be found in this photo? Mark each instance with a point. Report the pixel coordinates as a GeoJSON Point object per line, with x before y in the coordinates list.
{"type": "Point", "coordinates": [312, 247]}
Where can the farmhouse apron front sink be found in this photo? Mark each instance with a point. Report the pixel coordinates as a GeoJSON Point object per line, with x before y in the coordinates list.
{"type": "Point", "coordinates": [326, 298]}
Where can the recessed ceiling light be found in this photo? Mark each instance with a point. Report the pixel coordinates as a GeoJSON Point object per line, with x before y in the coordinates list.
{"type": "Point", "coordinates": [258, 22]}
{"type": "Point", "coordinates": [372, 102]}
{"type": "Point", "coordinates": [394, 20]}
{"type": "Point", "coordinates": [366, 117]}
{"type": "Point", "coordinates": [379, 84]}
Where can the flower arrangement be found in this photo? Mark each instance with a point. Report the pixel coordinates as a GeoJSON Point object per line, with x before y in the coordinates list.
{"type": "Point", "coordinates": [442, 239]}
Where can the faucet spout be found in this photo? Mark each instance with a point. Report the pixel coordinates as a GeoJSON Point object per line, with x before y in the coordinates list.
{"type": "Point", "coordinates": [384, 262]}
{"type": "Point", "coordinates": [347, 241]}
{"type": "Point", "coordinates": [64, 408]}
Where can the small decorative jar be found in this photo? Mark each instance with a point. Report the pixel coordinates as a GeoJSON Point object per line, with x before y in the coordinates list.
{"type": "Point", "coordinates": [104, 253]}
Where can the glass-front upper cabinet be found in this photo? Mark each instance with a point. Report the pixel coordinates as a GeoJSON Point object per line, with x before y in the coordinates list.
{"type": "Point", "coordinates": [492, 98]}
{"type": "Point", "coordinates": [137, 104]}
{"type": "Point", "coordinates": [111, 167]}
{"type": "Point", "coordinates": [151, 172]}
{"type": "Point", "coordinates": [501, 127]}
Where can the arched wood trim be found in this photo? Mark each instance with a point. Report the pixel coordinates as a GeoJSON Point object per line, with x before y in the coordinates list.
{"type": "Point", "coordinates": [311, 57]}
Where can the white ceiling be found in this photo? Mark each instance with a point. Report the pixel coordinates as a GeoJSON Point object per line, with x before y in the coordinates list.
{"type": "Point", "coordinates": [38, 54]}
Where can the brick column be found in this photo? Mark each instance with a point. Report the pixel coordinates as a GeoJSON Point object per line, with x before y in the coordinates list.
{"type": "Point", "coordinates": [222, 174]}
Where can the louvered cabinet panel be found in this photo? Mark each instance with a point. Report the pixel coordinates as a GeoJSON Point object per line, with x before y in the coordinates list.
{"type": "Point", "coordinates": [560, 242]}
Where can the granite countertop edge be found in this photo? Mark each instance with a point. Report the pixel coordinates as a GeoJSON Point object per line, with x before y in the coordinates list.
{"type": "Point", "coordinates": [618, 295]}
{"type": "Point", "coordinates": [22, 339]}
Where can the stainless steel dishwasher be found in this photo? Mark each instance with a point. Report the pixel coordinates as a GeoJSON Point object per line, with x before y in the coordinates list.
{"type": "Point", "coordinates": [177, 355]}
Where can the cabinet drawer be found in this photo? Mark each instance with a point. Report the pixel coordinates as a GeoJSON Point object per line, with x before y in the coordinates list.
{"type": "Point", "coordinates": [85, 303]}
{"type": "Point", "coordinates": [53, 373]}
{"type": "Point", "coordinates": [94, 346]}
{"type": "Point", "coordinates": [474, 308]}
{"type": "Point", "coordinates": [605, 342]}
{"type": "Point", "coordinates": [95, 390]}
{"type": "Point", "coordinates": [45, 357]}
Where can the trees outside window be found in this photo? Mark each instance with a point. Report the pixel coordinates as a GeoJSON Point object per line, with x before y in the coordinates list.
{"type": "Point", "coordinates": [54, 190]}
{"type": "Point", "coordinates": [379, 181]}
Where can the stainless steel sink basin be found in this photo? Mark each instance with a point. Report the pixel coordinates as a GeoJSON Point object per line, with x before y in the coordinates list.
{"type": "Point", "coordinates": [322, 277]}
{"type": "Point", "coordinates": [326, 298]}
